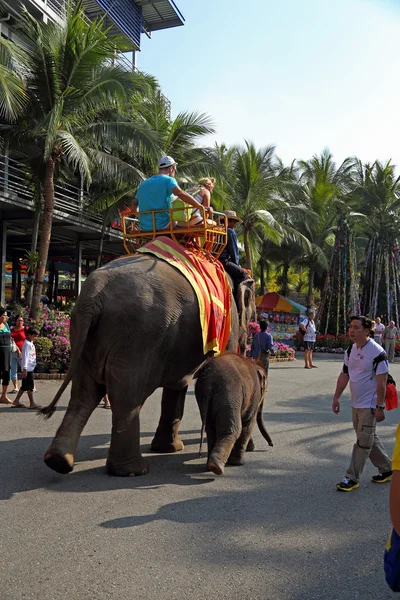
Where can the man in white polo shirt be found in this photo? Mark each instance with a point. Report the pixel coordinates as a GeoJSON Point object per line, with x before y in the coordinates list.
{"type": "Point", "coordinates": [366, 367]}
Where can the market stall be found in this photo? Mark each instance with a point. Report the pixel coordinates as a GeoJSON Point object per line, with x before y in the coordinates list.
{"type": "Point", "coordinates": [282, 315]}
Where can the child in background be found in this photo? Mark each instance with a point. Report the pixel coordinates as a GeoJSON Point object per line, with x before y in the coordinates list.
{"type": "Point", "coordinates": [28, 364]}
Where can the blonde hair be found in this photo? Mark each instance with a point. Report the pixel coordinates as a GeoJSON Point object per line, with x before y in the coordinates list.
{"type": "Point", "coordinates": [207, 181]}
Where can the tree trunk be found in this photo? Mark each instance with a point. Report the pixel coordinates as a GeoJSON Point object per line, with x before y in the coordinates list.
{"type": "Point", "coordinates": [35, 235]}
{"type": "Point", "coordinates": [101, 242]}
{"type": "Point", "coordinates": [310, 288]}
{"type": "Point", "coordinates": [262, 278]}
{"type": "Point", "coordinates": [249, 264]}
{"type": "Point", "coordinates": [285, 279]}
{"type": "Point", "coordinates": [45, 235]}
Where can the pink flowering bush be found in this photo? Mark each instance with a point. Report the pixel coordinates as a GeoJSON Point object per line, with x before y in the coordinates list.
{"type": "Point", "coordinates": [252, 328]}
{"type": "Point", "coordinates": [283, 350]}
{"type": "Point", "coordinates": [53, 349]}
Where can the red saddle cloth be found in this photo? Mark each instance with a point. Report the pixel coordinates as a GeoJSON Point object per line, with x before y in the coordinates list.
{"type": "Point", "coordinates": [210, 284]}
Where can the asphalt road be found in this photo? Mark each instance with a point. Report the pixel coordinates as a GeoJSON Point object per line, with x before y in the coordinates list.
{"type": "Point", "coordinates": [273, 529]}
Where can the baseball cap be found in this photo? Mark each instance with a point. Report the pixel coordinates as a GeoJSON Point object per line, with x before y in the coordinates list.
{"type": "Point", "coordinates": [166, 161]}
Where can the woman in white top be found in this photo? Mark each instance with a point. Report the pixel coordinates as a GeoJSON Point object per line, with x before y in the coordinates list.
{"type": "Point", "coordinates": [202, 193]}
{"type": "Point", "coordinates": [308, 326]}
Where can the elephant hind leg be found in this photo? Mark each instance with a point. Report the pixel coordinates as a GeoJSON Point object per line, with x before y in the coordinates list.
{"type": "Point", "coordinates": [85, 396]}
{"type": "Point", "coordinates": [124, 456]}
{"type": "Point", "coordinates": [166, 439]}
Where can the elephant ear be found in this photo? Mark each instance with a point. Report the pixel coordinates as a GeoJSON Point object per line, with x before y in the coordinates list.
{"type": "Point", "coordinates": [245, 301]}
{"type": "Point", "coordinates": [262, 379]}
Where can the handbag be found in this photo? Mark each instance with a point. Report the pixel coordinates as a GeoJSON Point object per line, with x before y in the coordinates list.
{"type": "Point", "coordinates": [14, 347]}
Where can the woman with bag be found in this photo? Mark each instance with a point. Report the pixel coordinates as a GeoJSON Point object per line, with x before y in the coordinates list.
{"type": "Point", "coordinates": [5, 355]}
{"type": "Point", "coordinates": [18, 338]}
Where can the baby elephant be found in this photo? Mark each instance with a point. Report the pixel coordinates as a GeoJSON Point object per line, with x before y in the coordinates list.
{"type": "Point", "coordinates": [230, 393]}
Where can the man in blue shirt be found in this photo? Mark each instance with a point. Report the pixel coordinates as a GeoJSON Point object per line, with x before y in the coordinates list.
{"type": "Point", "coordinates": [156, 193]}
{"type": "Point", "coordinates": [230, 254]}
{"type": "Point", "coordinates": [262, 345]}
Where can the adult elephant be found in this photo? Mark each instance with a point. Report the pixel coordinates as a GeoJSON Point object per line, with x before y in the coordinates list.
{"type": "Point", "coordinates": [160, 347]}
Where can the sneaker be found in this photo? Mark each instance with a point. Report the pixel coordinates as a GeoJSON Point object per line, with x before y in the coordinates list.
{"type": "Point", "coordinates": [382, 477]}
{"type": "Point", "coordinates": [346, 485]}
{"type": "Point", "coordinates": [14, 391]}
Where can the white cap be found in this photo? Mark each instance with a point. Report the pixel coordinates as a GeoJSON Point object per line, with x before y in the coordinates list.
{"type": "Point", "coordinates": [165, 162]}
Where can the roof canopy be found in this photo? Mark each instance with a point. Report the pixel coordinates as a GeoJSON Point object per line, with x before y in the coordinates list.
{"type": "Point", "coordinates": [160, 14]}
{"type": "Point", "coordinates": [275, 302]}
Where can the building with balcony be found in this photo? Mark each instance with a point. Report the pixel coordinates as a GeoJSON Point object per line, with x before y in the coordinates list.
{"type": "Point", "coordinates": [77, 229]}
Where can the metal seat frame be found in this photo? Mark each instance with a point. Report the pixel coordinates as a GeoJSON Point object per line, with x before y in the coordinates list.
{"type": "Point", "coordinates": [208, 238]}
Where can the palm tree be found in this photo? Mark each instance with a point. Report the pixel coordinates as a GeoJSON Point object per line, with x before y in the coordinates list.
{"type": "Point", "coordinates": [178, 137]}
{"type": "Point", "coordinates": [252, 182]}
{"type": "Point", "coordinates": [60, 99]}
{"type": "Point", "coordinates": [321, 186]}
{"type": "Point", "coordinates": [377, 193]}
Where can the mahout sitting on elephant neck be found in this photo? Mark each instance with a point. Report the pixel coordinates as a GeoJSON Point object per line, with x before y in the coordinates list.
{"type": "Point", "coordinates": [160, 346]}
{"type": "Point", "coordinates": [230, 392]}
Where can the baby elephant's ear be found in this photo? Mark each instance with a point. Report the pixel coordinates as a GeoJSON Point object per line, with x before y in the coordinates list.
{"type": "Point", "coordinates": [262, 377]}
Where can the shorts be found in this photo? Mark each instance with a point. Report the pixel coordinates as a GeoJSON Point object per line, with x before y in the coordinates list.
{"type": "Point", "coordinates": [309, 345]}
{"type": "Point", "coordinates": [28, 384]}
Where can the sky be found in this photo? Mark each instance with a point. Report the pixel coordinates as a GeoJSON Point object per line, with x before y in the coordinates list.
{"type": "Point", "coordinates": [302, 75]}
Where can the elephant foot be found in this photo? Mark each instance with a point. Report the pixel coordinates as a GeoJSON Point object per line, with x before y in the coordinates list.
{"type": "Point", "coordinates": [165, 445]}
{"type": "Point", "coordinates": [250, 445]}
{"type": "Point", "coordinates": [216, 467]}
{"type": "Point", "coordinates": [134, 469]}
{"type": "Point", "coordinates": [61, 463]}
{"type": "Point", "coordinates": [235, 461]}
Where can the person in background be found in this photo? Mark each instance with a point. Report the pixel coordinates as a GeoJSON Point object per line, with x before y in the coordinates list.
{"type": "Point", "coordinates": [367, 375]}
{"type": "Point", "coordinates": [28, 364]}
{"type": "Point", "coordinates": [156, 193]}
{"type": "Point", "coordinates": [308, 326]}
{"type": "Point", "coordinates": [18, 335]}
{"type": "Point", "coordinates": [389, 337]}
{"type": "Point", "coordinates": [5, 355]}
{"type": "Point", "coordinates": [230, 254]}
{"type": "Point", "coordinates": [372, 331]}
{"type": "Point", "coordinates": [262, 345]}
{"type": "Point", "coordinates": [379, 331]}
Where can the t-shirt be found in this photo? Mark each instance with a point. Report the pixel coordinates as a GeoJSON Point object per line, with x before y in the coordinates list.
{"type": "Point", "coordinates": [154, 194]}
{"type": "Point", "coordinates": [379, 329]}
{"type": "Point", "coordinates": [19, 337]}
{"type": "Point", "coordinates": [396, 452]}
{"type": "Point", "coordinates": [390, 333]}
{"type": "Point", "coordinates": [360, 368]}
{"type": "Point", "coordinates": [261, 341]}
{"type": "Point", "coordinates": [309, 325]}
{"type": "Point", "coordinates": [28, 358]}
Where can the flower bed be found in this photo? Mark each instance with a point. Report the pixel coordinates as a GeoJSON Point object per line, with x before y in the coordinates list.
{"type": "Point", "coordinates": [53, 350]}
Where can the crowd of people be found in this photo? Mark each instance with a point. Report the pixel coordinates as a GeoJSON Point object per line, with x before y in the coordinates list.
{"type": "Point", "coordinates": [17, 350]}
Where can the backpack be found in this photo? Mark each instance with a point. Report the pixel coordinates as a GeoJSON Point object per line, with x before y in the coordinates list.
{"type": "Point", "coordinates": [301, 331]}
{"type": "Point", "coordinates": [391, 398]}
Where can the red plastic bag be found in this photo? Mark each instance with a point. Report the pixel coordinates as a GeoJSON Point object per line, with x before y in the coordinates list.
{"type": "Point", "coordinates": [392, 398]}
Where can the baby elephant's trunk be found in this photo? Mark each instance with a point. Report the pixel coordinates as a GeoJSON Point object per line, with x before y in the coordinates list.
{"type": "Point", "coordinates": [261, 424]}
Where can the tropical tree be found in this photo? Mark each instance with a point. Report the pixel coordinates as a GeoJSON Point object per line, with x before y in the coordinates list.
{"type": "Point", "coordinates": [377, 193]}
{"type": "Point", "coordinates": [252, 182]}
{"type": "Point", "coordinates": [61, 98]}
{"type": "Point", "coordinates": [178, 137]}
{"type": "Point", "coordinates": [322, 187]}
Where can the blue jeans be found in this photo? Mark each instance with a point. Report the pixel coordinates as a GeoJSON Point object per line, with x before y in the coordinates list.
{"type": "Point", "coordinates": [15, 361]}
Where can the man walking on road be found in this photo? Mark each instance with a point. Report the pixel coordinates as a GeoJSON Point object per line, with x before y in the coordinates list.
{"type": "Point", "coordinates": [390, 337]}
{"type": "Point", "coordinates": [366, 367]}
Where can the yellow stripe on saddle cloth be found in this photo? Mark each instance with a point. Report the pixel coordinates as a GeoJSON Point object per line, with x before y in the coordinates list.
{"type": "Point", "coordinates": [210, 284]}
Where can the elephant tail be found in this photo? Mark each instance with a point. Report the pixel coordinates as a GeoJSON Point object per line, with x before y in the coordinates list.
{"type": "Point", "coordinates": [261, 425]}
{"type": "Point", "coordinates": [203, 427]}
{"type": "Point", "coordinates": [48, 411]}
{"type": "Point", "coordinates": [87, 314]}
